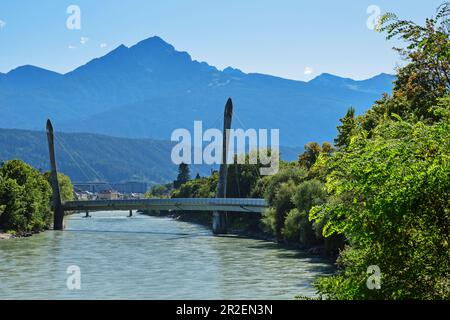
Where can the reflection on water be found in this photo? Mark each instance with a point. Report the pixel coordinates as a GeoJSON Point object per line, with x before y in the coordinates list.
{"type": "Point", "coordinates": [151, 258]}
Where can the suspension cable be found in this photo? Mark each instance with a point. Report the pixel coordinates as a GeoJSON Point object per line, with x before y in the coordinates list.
{"type": "Point", "coordinates": [97, 175]}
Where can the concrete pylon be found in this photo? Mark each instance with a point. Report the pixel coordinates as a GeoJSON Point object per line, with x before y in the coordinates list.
{"type": "Point", "coordinates": [220, 218]}
{"type": "Point", "coordinates": [58, 216]}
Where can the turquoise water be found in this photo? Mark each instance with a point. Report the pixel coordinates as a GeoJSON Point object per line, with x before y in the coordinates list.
{"type": "Point", "coordinates": [151, 258]}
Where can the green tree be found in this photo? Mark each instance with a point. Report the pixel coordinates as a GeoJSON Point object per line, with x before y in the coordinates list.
{"type": "Point", "coordinates": [309, 156]}
{"type": "Point", "coordinates": [281, 204]}
{"type": "Point", "coordinates": [392, 204]}
{"type": "Point", "coordinates": [158, 191]}
{"type": "Point", "coordinates": [242, 178]}
{"type": "Point", "coordinates": [426, 77]}
{"type": "Point", "coordinates": [278, 190]}
{"type": "Point", "coordinates": [24, 198]}
{"type": "Point", "coordinates": [183, 175]}
{"type": "Point", "coordinates": [65, 186]}
{"type": "Point", "coordinates": [312, 152]}
{"type": "Point", "coordinates": [197, 188]}
{"type": "Point", "coordinates": [346, 129]}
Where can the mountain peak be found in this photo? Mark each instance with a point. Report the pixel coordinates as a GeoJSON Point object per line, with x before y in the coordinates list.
{"type": "Point", "coordinates": [154, 43]}
{"type": "Point", "coordinates": [119, 50]}
{"type": "Point", "coordinates": [29, 72]}
{"type": "Point", "coordinates": [383, 75]}
{"type": "Point", "coordinates": [26, 69]}
{"type": "Point", "coordinates": [233, 71]}
{"type": "Point", "coordinates": [328, 77]}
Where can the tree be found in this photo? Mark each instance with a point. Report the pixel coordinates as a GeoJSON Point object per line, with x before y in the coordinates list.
{"type": "Point", "coordinates": [278, 190]}
{"type": "Point", "coordinates": [297, 226]}
{"type": "Point", "coordinates": [65, 186]}
{"type": "Point", "coordinates": [391, 201]}
{"type": "Point", "coordinates": [242, 178]}
{"type": "Point", "coordinates": [24, 198]}
{"type": "Point", "coordinates": [183, 175]}
{"type": "Point", "coordinates": [197, 188]}
{"type": "Point", "coordinates": [345, 129]}
{"type": "Point", "coordinates": [158, 191]}
{"type": "Point", "coordinates": [281, 204]}
{"type": "Point", "coordinates": [309, 156]}
{"type": "Point", "coordinates": [388, 188]}
{"type": "Point", "coordinates": [426, 77]}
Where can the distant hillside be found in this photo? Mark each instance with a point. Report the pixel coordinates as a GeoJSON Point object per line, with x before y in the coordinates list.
{"type": "Point", "coordinates": [150, 89]}
{"type": "Point", "coordinates": [90, 157]}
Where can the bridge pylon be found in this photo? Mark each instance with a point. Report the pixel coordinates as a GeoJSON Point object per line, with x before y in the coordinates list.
{"type": "Point", "coordinates": [58, 212]}
{"type": "Point", "coordinates": [219, 224]}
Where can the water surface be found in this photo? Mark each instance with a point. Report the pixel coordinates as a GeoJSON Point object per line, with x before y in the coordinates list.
{"type": "Point", "coordinates": [151, 258]}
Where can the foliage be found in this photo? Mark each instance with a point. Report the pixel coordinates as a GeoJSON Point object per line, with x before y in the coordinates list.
{"type": "Point", "coordinates": [242, 178]}
{"type": "Point", "coordinates": [183, 175]}
{"type": "Point", "coordinates": [197, 188]}
{"type": "Point", "coordinates": [345, 130]}
{"type": "Point", "coordinates": [24, 198]}
{"type": "Point", "coordinates": [291, 193]}
{"type": "Point", "coordinates": [159, 191]}
{"type": "Point", "coordinates": [280, 204]}
{"type": "Point", "coordinates": [65, 186]}
{"type": "Point", "coordinates": [312, 152]}
{"type": "Point", "coordinates": [394, 209]}
{"type": "Point", "coordinates": [427, 75]}
{"type": "Point", "coordinates": [389, 186]}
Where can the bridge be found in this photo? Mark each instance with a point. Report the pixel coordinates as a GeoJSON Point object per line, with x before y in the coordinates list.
{"type": "Point", "coordinates": [246, 205]}
{"type": "Point", "coordinates": [219, 205]}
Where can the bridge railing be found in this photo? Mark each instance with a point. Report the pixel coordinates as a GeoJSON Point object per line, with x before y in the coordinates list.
{"type": "Point", "coordinates": [189, 204]}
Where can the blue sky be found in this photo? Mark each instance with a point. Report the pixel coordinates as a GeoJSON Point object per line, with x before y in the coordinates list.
{"type": "Point", "coordinates": [279, 37]}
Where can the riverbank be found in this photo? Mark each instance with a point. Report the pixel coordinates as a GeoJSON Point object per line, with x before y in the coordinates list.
{"type": "Point", "coordinates": [4, 235]}
{"type": "Point", "coordinates": [250, 229]}
{"type": "Point", "coordinates": [9, 235]}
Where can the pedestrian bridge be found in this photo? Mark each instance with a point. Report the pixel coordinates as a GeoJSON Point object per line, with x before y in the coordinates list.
{"type": "Point", "coordinates": [247, 205]}
{"type": "Point", "coordinates": [219, 205]}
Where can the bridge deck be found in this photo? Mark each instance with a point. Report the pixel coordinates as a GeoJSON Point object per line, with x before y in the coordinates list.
{"type": "Point", "coordinates": [192, 204]}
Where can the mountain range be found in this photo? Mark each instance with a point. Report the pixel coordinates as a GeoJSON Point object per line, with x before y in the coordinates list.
{"type": "Point", "coordinates": [96, 157]}
{"type": "Point", "coordinates": [149, 89]}
{"type": "Point", "coordinates": [93, 157]}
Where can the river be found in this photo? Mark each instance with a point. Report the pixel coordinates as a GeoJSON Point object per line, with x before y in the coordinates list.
{"type": "Point", "coordinates": [147, 257]}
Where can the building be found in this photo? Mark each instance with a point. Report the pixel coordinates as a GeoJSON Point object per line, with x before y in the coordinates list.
{"type": "Point", "coordinates": [131, 187]}
{"type": "Point", "coordinates": [108, 195]}
{"type": "Point", "coordinates": [123, 187]}
{"type": "Point", "coordinates": [91, 186]}
{"type": "Point", "coordinates": [84, 195]}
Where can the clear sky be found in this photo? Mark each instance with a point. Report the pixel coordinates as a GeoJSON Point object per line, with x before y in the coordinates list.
{"type": "Point", "coordinates": [294, 39]}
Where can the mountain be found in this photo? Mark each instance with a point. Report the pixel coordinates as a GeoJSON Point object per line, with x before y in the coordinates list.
{"type": "Point", "coordinates": [150, 89]}
{"type": "Point", "coordinates": [373, 85]}
{"type": "Point", "coordinates": [91, 157]}
{"type": "Point", "coordinates": [95, 157]}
